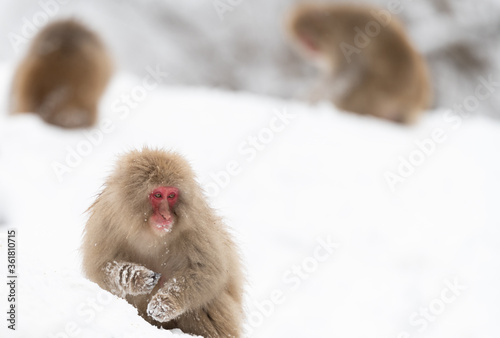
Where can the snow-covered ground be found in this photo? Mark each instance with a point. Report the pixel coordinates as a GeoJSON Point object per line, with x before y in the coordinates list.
{"type": "Point", "coordinates": [331, 248]}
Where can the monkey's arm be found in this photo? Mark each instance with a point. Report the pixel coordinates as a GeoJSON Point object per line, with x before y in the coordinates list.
{"type": "Point", "coordinates": [320, 90]}
{"type": "Point", "coordinates": [187, 290]}
{"type": "Point", "coordinates": [124, 278]}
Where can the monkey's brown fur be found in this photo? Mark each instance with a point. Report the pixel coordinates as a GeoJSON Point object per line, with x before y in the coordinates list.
{"type": "Point", "coordinates": [63, 75]}
{"type": "Point", "coordinates": [387, 78]}
{"type": "Point", "coordinates": [201, 278]}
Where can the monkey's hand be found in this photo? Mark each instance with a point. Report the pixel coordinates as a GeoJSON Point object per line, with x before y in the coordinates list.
{"type": "Point", "coordinates": [126, 278]}
{"type": "Point", "coordinates": [166, 304]}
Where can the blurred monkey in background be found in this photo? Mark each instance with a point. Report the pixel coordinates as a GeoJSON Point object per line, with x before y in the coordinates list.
{"type": "Point", "coordinates": [63, 76]}
{"type": "Point", "coordinates": [368, 63]}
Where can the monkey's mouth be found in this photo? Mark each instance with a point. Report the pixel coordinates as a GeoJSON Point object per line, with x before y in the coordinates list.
{"type": "Point", "coordinates": [162, 223]}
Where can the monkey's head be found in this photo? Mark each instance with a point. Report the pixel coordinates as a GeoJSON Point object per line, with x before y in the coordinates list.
{"type": "Point", "coordinates": [156, 189]}
{"type": "Point", "coordinates": [163, 201]}
{"type": "Point", "coordinates": [308, 25]}
{"type": "Point", "coordinates": [67, 37]}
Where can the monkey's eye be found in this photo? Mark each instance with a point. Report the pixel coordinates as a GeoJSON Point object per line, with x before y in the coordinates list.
{"type": "Point", "coordinates": [172, 195]}
{"type": "Point", "coordinates": [157, 195]}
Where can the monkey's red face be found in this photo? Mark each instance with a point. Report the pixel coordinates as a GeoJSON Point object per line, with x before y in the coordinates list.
{"type": "Point", "coordinates": [309, 43]}
{"type": "Point", "coordinates": [163, 201]}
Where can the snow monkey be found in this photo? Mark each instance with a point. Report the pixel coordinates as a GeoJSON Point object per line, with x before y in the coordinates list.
{"type": "Point", "coordinates": [63, 75]}
{"type": "Point", "coordinates": [369, 64]}
{"type": "Point", "coordinates": [152, 239]}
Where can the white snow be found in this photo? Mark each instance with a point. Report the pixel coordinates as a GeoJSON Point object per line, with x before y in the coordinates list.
{"type": "Point", "coordinates": [329, 249]}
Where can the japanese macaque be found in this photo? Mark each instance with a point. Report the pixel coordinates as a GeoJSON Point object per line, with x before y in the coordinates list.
{"type": "Point", "coordinates": [369, 64]}
{"type": "Point", "coordinates": [63, 76]}
{"type": "Point", "coordinates": [152, 239]}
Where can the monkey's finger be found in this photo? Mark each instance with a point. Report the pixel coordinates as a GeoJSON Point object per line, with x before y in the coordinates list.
{"type": "Point", "coordinates": [148, 281]}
